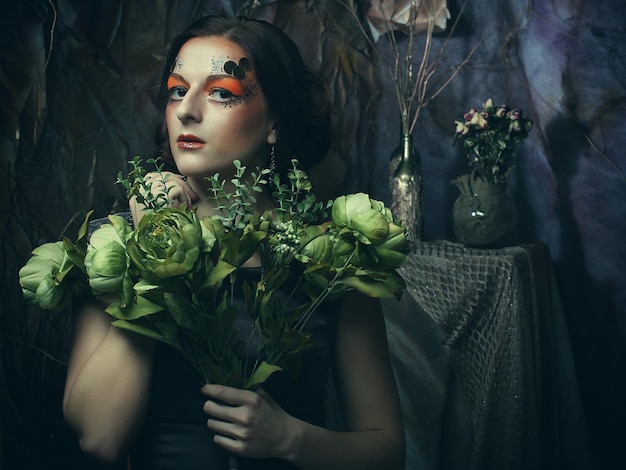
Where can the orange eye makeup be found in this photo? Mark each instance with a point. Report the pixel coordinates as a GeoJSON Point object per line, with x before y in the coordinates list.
{"type": "Point", "coordinates": [218, 88]}
{"type": "Point", "coordinates": [231, 85]}
{"type": "Point", "coordinates": [173, 82]}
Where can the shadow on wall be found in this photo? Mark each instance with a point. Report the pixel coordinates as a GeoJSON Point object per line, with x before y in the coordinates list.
{"type": "Point", "coordinates": [598, 350]}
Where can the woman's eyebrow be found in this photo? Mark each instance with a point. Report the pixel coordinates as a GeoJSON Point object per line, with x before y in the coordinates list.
{"type": "Point", "coordinates": [227, 82]}
{"type": "Point", "coordinates": [176, 80]}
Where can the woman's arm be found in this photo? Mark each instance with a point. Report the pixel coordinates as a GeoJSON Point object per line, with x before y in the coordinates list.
{"type": "Point", "coordinates": [368, 396]}
{"type": "Point", "coordinates": [107, 385]}
{"type": "Point", "coordinates": [106, 389]}
{"type": "Point", "coordinates": [255, 426]}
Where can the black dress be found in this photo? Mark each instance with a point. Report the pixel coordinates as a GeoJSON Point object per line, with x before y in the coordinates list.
{"type": "Point", "coordinates": [174, 435]}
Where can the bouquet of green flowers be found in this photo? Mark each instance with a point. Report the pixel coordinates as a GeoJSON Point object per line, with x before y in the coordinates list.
{"type": "Point", "coordinates": [490, 136]}
{"type": "Point", "coordinates": [173, 277]}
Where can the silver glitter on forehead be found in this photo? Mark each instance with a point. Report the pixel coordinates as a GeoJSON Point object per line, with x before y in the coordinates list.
{"type": "Point", "coordinates": [217, 64]}
{"type": "Point", "coordinates": [178, 65]}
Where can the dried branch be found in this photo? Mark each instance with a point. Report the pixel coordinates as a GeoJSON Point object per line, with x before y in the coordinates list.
{"type": "Point", "coordinates": [52, 29]}
{"type": "Point", "coordinates": [424, 101]}
{"type": "Point", "coordinates": [415, 91]}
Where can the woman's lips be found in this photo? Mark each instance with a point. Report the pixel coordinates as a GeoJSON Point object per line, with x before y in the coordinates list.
{"type": "Point", "coordinates": [189, 142]}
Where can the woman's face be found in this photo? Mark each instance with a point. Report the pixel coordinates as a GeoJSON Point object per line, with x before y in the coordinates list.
{"type": "Point", "coordinates": [216, 111]}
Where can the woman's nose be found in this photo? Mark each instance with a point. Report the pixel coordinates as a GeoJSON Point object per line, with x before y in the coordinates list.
{"type": "Point", "coordinates": [189, 109]}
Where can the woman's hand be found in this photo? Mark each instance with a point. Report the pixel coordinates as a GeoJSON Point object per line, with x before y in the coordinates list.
{"type": "Point", "coordinates": [247, 423]}
{"type": "Point", "coordinates": [179, 192]}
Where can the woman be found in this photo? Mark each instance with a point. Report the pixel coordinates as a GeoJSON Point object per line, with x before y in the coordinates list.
{"type": "Point", "coordinates": [236, 89]}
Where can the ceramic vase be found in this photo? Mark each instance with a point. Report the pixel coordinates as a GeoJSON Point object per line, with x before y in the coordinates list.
{"type": "Point", "coordinates": [483, 215]}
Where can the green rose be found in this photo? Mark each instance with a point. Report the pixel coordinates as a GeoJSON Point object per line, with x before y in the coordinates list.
{"type": "Point", "coordinates": [107, 262]}
{"type": "Point", "coordinates": [318, 250]}
{"type": "Point", "coordinates": [380, 207]}
{"type": "Point", "coordinates": [41, 278]}
{"type": "Point", "coordinates": [396, 239]}
{"type": "Point", "coordinates": [356, 212]}
{"type": "Point", "coordinates": [392, 252]}
{"type": "Point", "coordinates": [167, 242]}
{"type": "Point", "coordinates": [342, 248]}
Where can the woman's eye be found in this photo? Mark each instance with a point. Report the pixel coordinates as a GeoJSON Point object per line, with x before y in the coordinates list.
{"type": "Point", "coordinates": [177, 93]}
{"type": "Point", "coordinates": [221, 95]}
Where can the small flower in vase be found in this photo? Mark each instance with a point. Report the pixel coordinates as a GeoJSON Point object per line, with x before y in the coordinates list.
{"type": "Point", "coordinates": [490, 136]}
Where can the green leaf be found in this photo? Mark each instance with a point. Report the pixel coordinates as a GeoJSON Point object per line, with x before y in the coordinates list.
{"type": "Point", "coordinates": [181, 310]}
{"type": "Point", "coordinates": [143, 330]}
{"type": "Point", "coordinates": [162, 324]}
{"type": "Point", "coordinates": [219, 272]}
{"type": "Point", "coordinates": [141, 307]}
{"type": "Point", "coordinates": [145, 285]}
{"type": "Point", "coordinates": [390, 258]}
{"type": "Point", "coordinates": [261, 374]}
{"type": "Point", "coordinates": [76, 252]}
{"type": "Point", "coordinates": [391, 286]}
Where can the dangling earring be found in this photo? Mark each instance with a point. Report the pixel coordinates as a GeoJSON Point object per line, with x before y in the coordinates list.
{"type": "Point", "coordinates": [272, 162]}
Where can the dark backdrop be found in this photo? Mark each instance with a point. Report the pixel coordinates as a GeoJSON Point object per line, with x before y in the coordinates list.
{"type": "Point", "coordinates": [77, 82]}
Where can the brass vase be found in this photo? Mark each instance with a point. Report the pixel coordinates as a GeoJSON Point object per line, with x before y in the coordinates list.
{"type": "Point", "coordinates": [406, 188]}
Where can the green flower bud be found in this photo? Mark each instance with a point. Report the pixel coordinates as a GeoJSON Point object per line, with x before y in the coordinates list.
{"type": "Point", "coordinates": [362, 215]}
{"type": "Point", "coordinates": [342, 247]}
{"type": "Point", "coordinates": [106, 260]}
{"type": "Point", "coordinates": [40, 276]}
{"type": "Point", "coordinates": [380, 207]}
{"type": "Point", "coordinates": [339, 212]}
{"type": "Point", "coordinates": [390, 258]}
{"type": "Point", "coordinates": [396, 239]}
{"type": "Point", "coordinates": [372, 225]}
{"type": "Point", "coordinates": [392, 252]}
{"type": "Point", "coordinates": [318, 250]}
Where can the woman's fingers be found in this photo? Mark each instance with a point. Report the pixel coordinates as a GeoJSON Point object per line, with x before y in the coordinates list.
{"type": "Point", "coordinates": [246, 422]}
{"type": "Point", "coordinates": [170, 186]}
{"type": "Point", "coordinates": [230, 395]}
{"type": "Point", "coordinates": [228, 403]}
{"type": "Point", "coordinates": [180, 191]}
{"type": "Point", "coordinates": [224, 428]}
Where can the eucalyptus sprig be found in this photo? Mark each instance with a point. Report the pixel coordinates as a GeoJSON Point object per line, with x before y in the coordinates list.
{"type": "Point", "coordinates": [237, 206]}
{"type": "Point", "coordinates": [297, 200]}
{"type": "Point", "coordinates": [138, 186]}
